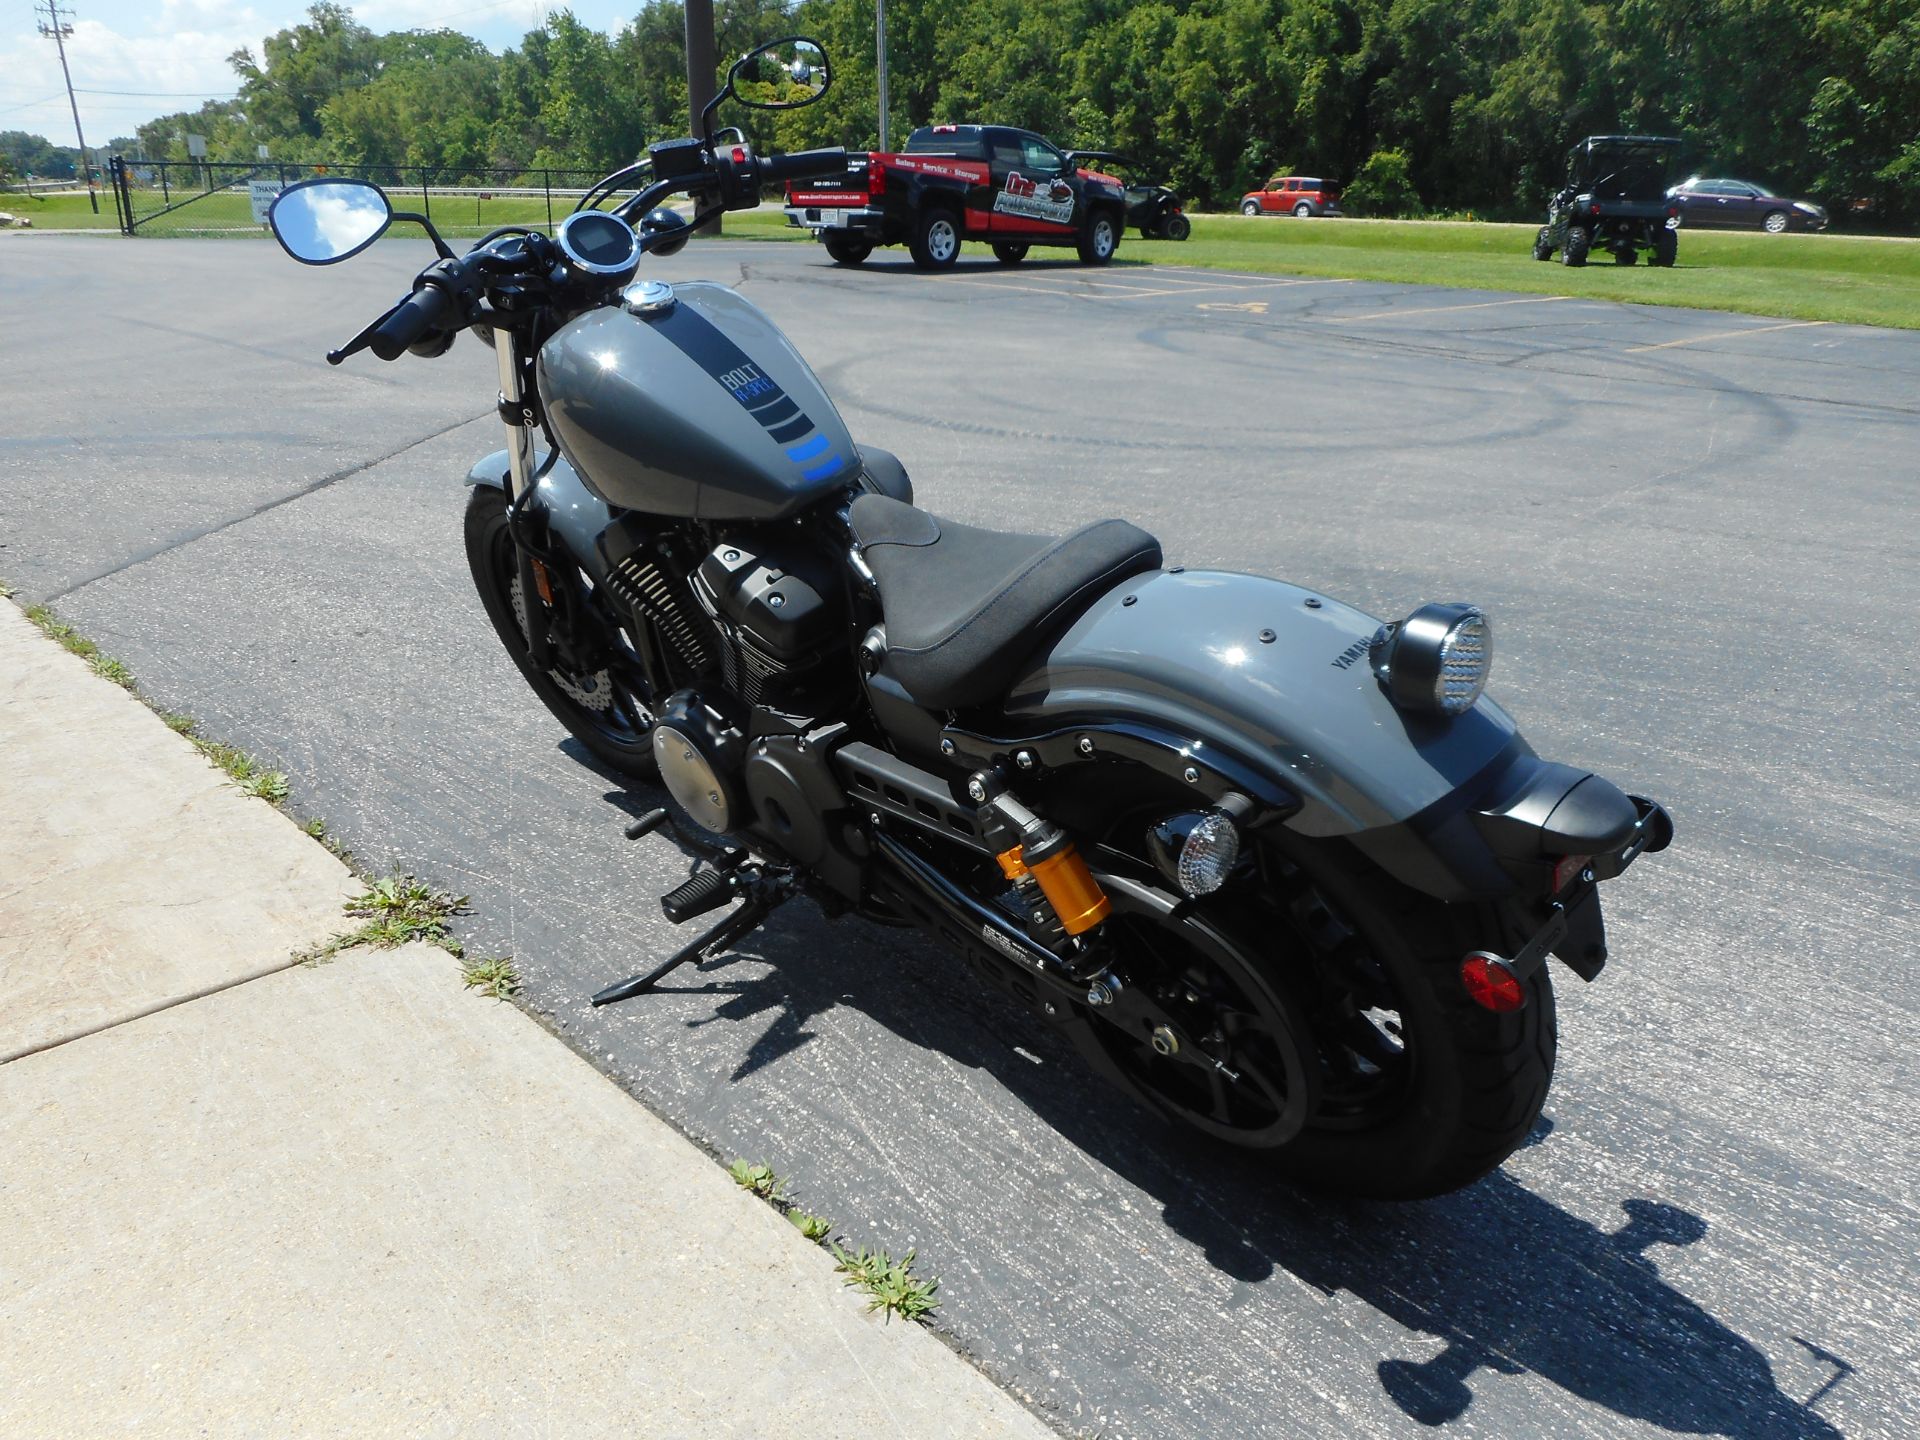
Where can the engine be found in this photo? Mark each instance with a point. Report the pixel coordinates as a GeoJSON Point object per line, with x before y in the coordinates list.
{"type": "Point", "coordinates": [755, 637]}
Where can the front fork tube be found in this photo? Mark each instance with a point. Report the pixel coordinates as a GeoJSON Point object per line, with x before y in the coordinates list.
{"type": "Point", "coordinates": [518, 416]}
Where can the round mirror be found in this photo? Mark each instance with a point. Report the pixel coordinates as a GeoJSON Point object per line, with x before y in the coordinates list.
{"type": "Point", "coordinates": [320, 222]}
{"type": "Point", "coordinates": [781, 74]}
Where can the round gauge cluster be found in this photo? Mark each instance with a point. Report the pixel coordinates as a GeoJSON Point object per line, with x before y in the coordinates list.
{"type": "Point", "coordinates": [597, 243]}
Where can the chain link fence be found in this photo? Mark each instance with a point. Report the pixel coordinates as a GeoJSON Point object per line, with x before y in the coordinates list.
{"type": "Point", "coordinates": [201, 197]}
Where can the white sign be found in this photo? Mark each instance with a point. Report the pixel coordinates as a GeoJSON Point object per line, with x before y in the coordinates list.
{"type": "Point", "coordinates": [260, 195]}
{"type": "Point", "coordinates": [196, 146]}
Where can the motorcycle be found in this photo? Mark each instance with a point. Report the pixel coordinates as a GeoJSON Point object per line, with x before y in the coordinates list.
{"type": "Point", "coordinates": [1282, 872]}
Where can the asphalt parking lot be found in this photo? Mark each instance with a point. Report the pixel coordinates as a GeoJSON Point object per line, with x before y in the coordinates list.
{"type": "Point", "coordinates": [1696, 535]}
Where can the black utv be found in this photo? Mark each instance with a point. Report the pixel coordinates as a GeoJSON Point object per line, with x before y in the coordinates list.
{"type": "Point", "coordinates": [1615, 199]}
{"type": "Point", "coordinates": [1152, 209]}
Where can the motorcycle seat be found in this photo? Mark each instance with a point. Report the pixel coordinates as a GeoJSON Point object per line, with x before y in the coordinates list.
{"type": "Point", "coordinates": [965, 606]}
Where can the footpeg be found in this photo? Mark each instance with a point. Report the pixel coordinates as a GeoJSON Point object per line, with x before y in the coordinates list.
{"type": "Point", "coordinates": [762, 892]}
{"type": "Point", "coordinates": [646, 824]}
{"type": "Point", "coordinates": [708, 890]}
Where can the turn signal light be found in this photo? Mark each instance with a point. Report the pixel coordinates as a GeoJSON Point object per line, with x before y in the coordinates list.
{"type": "Point", "coordinates": [1491, 983]}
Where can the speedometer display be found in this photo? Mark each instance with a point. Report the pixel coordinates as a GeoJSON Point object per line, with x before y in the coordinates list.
{"type": "Point", "coordinates": [599, 243]}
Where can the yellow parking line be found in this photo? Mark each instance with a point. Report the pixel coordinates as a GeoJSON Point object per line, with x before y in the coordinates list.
{"type": "Point", "coordinates": [1444, 309]}
{"type": "Point", "coordinates": [1724, 335]}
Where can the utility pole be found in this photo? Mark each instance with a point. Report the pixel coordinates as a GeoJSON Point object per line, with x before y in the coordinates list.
{"type": "Point", "coordinates": [700, 66]}
{"type": "Point", "coordinates": [880, 50]}
{"type": "Point", "coordinates": [59, 30]}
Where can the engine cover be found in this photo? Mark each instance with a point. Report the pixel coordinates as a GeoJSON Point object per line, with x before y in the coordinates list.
{"type": "Point", "coordinates": [702, 751]}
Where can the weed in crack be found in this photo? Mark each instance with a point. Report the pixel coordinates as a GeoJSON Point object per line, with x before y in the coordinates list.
{"type": "Point", "coordinates": [395, 911]}
{"type": "Point", "coordinates": [891, 1285]}
{"type": "Point", "coordinates": [495, 979]}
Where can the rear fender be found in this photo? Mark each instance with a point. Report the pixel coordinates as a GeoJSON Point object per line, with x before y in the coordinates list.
{"type": "Point", "coordinates": [1264, 677]}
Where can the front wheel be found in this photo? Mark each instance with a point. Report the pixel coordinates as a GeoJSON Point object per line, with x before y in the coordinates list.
{"type": "Point", "coordinates": [1249, 207]}
{"type": "Point", "coordinates": [1542, 245]}
{"type": "Point", "coordinates": [1099, 240]}
{"type": "Point", "coordinates": [1776, 222]}
{"type": "Point", "coordinates": [612, 718]}
{"type": "Point", "coordinates": [1666, 249]}
{"type": "Point", "coordinates": [1339, 988]}
{"type": "Point", "coordinates": [1574, 251]}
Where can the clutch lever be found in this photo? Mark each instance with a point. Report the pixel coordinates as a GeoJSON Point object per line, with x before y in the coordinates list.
{"type": "Point", "coordinates": [365, 337]}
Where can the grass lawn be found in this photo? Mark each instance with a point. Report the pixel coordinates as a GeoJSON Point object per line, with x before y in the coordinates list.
{"type": "Point", "coordinates": [1858, 279]}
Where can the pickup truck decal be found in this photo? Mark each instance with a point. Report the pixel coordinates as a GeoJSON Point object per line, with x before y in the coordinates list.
{"type": "Point", "coordinates": [1051, 200]}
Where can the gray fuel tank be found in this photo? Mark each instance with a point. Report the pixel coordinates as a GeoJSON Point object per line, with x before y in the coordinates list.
{"type": "Point", "coordinates": [701, 409]}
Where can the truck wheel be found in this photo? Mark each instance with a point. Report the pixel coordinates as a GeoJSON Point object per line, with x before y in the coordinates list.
{"type": "Point", "coordinates": [1178, 227]}
{"type": "Point", "coordinates": [1574, 252]}
{"type": "Point", "coordinates": [1250, 207]}
{"type": "Point", "coordinates": [1776, 222]}
{"type": "Point", "coordinates": [1542, 246]}
{"type": "Point", "coordinates": [1009, 254]}
{"type": "Point", "coordinates": [1666, 245]}
{"type": "Point", "coordinates": [1302, 210]}
{"type": "Point", "coordinates": [845, 250]}
{"type": "Point", "coordinates": [936, 239]}
{"type": "Point", "coordinates": [1099, 240]}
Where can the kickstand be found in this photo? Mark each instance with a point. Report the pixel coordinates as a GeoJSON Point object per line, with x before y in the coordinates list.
{"type": "Point", "coordinates": [764, 896]}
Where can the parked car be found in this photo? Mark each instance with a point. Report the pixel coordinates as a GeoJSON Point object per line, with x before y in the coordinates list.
{"type": "Point", "coordinates": [1616, 200]}
{"type": "Point", "coordinates": [1743, 205]}
{"type": "Point", "coordinates": [1152, 209]}
{"type": "Point", "coordinates": [1301, 195]}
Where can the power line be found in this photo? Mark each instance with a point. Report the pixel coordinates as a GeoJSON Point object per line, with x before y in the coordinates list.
{"type": "Point", "coordinates": [165, 94]}
{"type": "Point", "coordinates": [60, 30]}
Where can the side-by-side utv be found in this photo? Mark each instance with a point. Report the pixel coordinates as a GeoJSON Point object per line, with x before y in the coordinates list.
{"type": "Point", "coordinates": [1615, 199]}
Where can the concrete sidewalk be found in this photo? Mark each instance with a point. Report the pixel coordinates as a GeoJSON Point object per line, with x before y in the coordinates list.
{"type": "Point", "coordinates": [243, 1198]}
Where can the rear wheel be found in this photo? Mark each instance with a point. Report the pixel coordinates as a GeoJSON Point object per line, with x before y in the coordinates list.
{"type": "Point", "coordinates": [1574, 251]}
{"type": "Point", "coordinates": [1303, 210]}
{"type": "Point", "coordinates": [1666, 247]}
{"type": "Point", "coordinates": [1629, 256]}
{"type": "Point", "coordinates": [1178, 227]}
{"type": "Point", "coordinates": [848, 249]}
{"type": "Point", "coordinates": [1100, 238]}
{"type": "Point", "coordinates": [936, 239]}
{"type": "Point", "coordinates": [611, 717]}
{"type": "Point", "coordinates": [1009, 254]}
{"type": "Point", "coordinates": [1542, 246]}
{"type": "Point", "coordinates": [1340, 978]}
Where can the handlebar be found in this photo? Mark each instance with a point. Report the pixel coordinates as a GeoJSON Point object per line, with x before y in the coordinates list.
{"type": "Point", "coordinates": [422, 313]}
{"type": "Point", "coordinates": [803, 165]}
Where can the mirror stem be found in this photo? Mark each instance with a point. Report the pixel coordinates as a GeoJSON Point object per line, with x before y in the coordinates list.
{"type": "Point", "coordinates": [445, 250]}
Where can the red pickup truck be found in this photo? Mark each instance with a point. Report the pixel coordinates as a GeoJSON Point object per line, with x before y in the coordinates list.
{"type": "Point", "coordinates": [953, 183]}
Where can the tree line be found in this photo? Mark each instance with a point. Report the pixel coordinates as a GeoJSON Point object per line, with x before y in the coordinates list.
{"type": "Point", "coordinates": [1417, 106]}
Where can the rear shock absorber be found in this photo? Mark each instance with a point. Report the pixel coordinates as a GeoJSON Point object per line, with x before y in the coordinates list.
{"type": "Point", "coordinates": [1037, 855]}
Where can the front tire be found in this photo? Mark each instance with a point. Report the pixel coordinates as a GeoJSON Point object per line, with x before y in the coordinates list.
{"type": "Point", "coordinates": [1574, 252]}
{"type": "Point", "coordinates": [612, 721]}
{"type": "Point", "coordinates": [1249, 207]}
{"type": "Point", "coordinates": [936, 239]}
{"type": "Point", "coordinates": [1776, 222]}
{"type": "Point", "coordinates": [1666, 248]}
{"type": "Point", "coordinates": [1542, 245]}
{"type": "Point", "coordinates": [1100, 239]}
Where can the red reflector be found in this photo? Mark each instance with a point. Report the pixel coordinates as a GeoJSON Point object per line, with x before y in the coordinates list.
{"type": "Point", "coordinates": [1491, 983]}
{"type": "Point", "coordinates": [1594, 208]}
{"type": "Point", "coordinates": [740, 158]}
{"type": "Point", "coordinates": [1566, 868]}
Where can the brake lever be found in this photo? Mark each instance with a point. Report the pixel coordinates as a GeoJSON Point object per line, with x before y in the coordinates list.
{"type": "Point", "coordinates": [365, 337]}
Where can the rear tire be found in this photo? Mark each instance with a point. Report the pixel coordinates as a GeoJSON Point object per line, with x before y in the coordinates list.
{"type": "Point", "coordinates": [1542, 246]}
{"type": "Point", "coordinates": [1626, 257]}
{"type": "Point", "coordinates": [844, 250]}
{"type": "Point", "coordinates": [1302, 210]}
{"type": "Point", "coordinates": [614, 724]}
{"type": "Point", "coordinates": [1178, 227]}
{"type": "Point", "coordinates": [936, 239]}
{"type": "Point", "coordinates": [1362, 955]}
{"type": "Point", "coordinates": [1574, 252]}
{"type": "Point", "coordinates": [1100, 238]}
{"type": "Point", "coordinates": [1009, 254]}
{"type": "Point", "coordinates": [1666, 247]}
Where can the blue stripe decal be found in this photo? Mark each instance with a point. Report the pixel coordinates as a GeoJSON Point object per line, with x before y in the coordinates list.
{"type": "Point", "coordinates": [800, 454]}
{"type": "Point", "coordinates": [825, 468]}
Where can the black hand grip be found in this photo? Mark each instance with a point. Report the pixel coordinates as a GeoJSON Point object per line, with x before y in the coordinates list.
{"type": "Point", "coordinates": [803, 165]}
{"type": "Point", "coordinates": [426, 310]}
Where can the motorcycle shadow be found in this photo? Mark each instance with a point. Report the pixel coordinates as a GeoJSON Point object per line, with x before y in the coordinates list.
{"type": "Point", "coordinates": [1508, 1282]}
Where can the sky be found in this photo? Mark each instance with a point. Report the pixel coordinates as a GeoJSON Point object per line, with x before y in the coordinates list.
{"type": "Point", "coordinates": [174, 52]}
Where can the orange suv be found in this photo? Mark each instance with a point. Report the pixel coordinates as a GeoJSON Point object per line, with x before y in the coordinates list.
{"type": "Point", "coordinates": [1300, 195]}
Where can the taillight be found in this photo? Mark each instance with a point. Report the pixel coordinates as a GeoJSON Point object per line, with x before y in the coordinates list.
{"type": "Point", "coordinates": [1491, 983]}
{"type": "Point", "coordinates": [1594, 208]}
{"type": "Point", "coordinates": [876, 177]}
{"type": "Point", "coordinates": [1566, 868]}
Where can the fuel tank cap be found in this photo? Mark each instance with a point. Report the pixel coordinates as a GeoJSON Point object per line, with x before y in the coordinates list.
{"type": "Point", "coordinates": [648, 297]}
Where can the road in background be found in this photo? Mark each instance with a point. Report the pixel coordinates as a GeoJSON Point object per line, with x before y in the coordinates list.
{"type": "Point", "coordinates": [1694, 532]}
